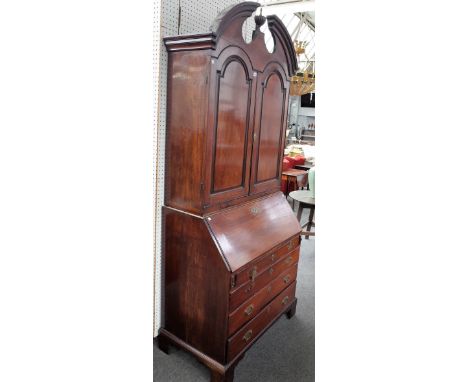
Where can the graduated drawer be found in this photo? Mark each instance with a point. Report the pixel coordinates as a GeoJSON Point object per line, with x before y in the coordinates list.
{"type": "Point", "coordinates": [252, 306]}
{"type": "Point", "coordinates": [257, 267]}
{"type": "Point", "coordinates": [250, 332]}
{"type": "Point", "coordinates": [246, 291]}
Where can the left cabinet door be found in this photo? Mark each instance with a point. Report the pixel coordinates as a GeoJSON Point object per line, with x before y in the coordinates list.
{"type": "Point", "coordinates": [230, 124]}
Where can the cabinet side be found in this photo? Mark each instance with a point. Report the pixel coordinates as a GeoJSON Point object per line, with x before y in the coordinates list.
{"type": "Point", "coordinates": [197, 284]}
{"type": "Point", "coordinates": [185, 136]}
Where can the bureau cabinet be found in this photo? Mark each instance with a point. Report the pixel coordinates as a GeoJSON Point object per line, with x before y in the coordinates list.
{"type": "Point", "coordinates": [230, 239]}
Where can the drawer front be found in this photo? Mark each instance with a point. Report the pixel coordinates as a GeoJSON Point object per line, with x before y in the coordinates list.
{"type": "Point", "coordinates": [266, 261]}
{"type": "Point", "coordinates": [246, 291]}
{"type": "Point", "coordinates": [252, 306]}
{"type": "Point", "coordinates": [250, 332]}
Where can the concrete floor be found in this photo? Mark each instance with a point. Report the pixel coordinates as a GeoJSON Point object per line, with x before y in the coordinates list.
{"type": "Point", "coordinates": [285, 353]}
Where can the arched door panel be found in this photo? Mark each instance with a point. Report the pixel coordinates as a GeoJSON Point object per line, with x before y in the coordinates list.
{"type": "Point", "coordinates": [231, 117]}
{"type": "Point", "coordinates": [269, 131]}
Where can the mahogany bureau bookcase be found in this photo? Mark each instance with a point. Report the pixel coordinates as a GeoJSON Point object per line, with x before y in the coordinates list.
{"type": "Point", "coordinates": [230, 239]}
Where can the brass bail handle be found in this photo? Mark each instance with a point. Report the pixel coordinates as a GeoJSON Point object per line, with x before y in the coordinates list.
{"type": "Point", "coordinates": [249, 310]}
{"type": "Point", "coordinates": [248, 336]}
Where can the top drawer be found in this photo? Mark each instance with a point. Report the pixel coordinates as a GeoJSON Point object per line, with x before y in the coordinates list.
{"type": "Point", "coordinates": [257, 267]}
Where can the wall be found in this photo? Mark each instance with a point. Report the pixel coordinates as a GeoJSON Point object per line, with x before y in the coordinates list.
{"type": "Point", "coordinates": [195, 17]}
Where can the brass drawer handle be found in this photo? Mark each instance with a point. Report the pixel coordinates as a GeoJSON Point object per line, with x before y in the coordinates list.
{"type": "Point", "coordinates": [248, 336]}
{"type": "Point", "coordinates": [253, 273]}
{"type": "Point", "coordinates": [285, 300]}
{"type": "Point", "coordinates": [289, 260]}
{"type": "Point", "coordinates": [273, 257]}
{"type": "Point", "coordinates": [290, 244]}
{"type": "Point", "coordinates": [249, 310]}
{"type": "Point", "coordinates": [271, 270]}
{"type": "Point", "coordinates": [286, 279]}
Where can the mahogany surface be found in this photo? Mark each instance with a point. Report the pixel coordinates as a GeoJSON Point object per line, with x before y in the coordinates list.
{"type": "Point", "coordinates": [230, 239]}
{"type": "Point", "coordinates": [246, 232]}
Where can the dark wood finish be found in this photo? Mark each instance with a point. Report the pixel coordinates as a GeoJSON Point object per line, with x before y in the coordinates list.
{"type": "Point", "coordinates": [254, 328]}
{"type": "Point", "coordinates": [270, 127]}
{"type": "Point", "coordinates": [251, 307]}
{"type": "Point", "coordinates": [248, 231]}
{"type": "Point", "coordinates": [226, 226]}
{"type": "Point", "coordinates": [298, 178]}
{"type": "Point", "coordinates": [247, 290]}
{"type": "Point", "coordinates": [222, 158]}
{"type": "Point", "coordinates": [266, 261]}
{"type": "Point", "coordinates": [192, 259]}
{"type": "Point", "coordinates": [228, 376]}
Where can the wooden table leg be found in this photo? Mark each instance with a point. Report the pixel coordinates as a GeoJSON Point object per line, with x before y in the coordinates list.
{"type": "Point", "coordinates": [299, 212]}
{"type": "Point", "coordinates": [311, 216]}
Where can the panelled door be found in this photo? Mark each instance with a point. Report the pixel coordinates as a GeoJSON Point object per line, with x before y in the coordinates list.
{"type": "Point", "coordinates": [270, 128]}
{"type": "Point", "coordinates": [230, 124]}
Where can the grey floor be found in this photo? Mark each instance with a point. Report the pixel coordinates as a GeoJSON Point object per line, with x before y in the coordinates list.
{"type": "Point", "coordinates": [285, 353]}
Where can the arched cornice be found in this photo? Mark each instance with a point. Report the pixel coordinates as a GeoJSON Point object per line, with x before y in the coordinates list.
{"type": "Point", "coordinates": [281, 36]}
{"type": "Point", "coordinates": [226, 16]}
{"type": "Point", "coordinates": [229, 22]}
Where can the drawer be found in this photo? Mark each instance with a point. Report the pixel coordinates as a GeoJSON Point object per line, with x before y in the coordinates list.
{"type": "Point", "coordinates": [257, 267]}
{"type": "Point", "coordinates": [246, 291]}
{"type": "Point", "coordinates": [252, 306]}
{"type": "Point", "coordinates": [250, 332]}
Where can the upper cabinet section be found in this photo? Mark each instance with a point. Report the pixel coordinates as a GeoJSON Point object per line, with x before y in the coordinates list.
{"type": "Point", "coordinates": [227, 112]}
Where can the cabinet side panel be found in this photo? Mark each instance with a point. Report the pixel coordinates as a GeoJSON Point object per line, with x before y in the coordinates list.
{"type": "Point", "coordinates": [196, 285]}
{"type": "Point", "coordinates": [186, 119]}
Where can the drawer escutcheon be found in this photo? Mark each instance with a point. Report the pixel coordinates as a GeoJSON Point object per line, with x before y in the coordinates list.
{"type": "Point", "coordinates": [285, 300]}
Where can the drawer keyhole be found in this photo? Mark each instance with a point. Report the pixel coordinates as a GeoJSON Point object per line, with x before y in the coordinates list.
{"type": "Point", "coordinates": [286, 279]}
{"type": "Point", "coordinates": [285, 300]}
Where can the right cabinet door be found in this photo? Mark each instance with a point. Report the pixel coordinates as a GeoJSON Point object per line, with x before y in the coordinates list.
{"type": "Point", "coordinates": [269, 129]}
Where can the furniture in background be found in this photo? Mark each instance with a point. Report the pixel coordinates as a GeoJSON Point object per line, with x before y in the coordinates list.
{"type": "Point", "coordinates": [295, 179]}
{"type": "Point", "coordinates": [305, 166]}
{"type": "Point", "coordinates": [306, 200]}
{"type": "Point", "coordinates": [230, 239]}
